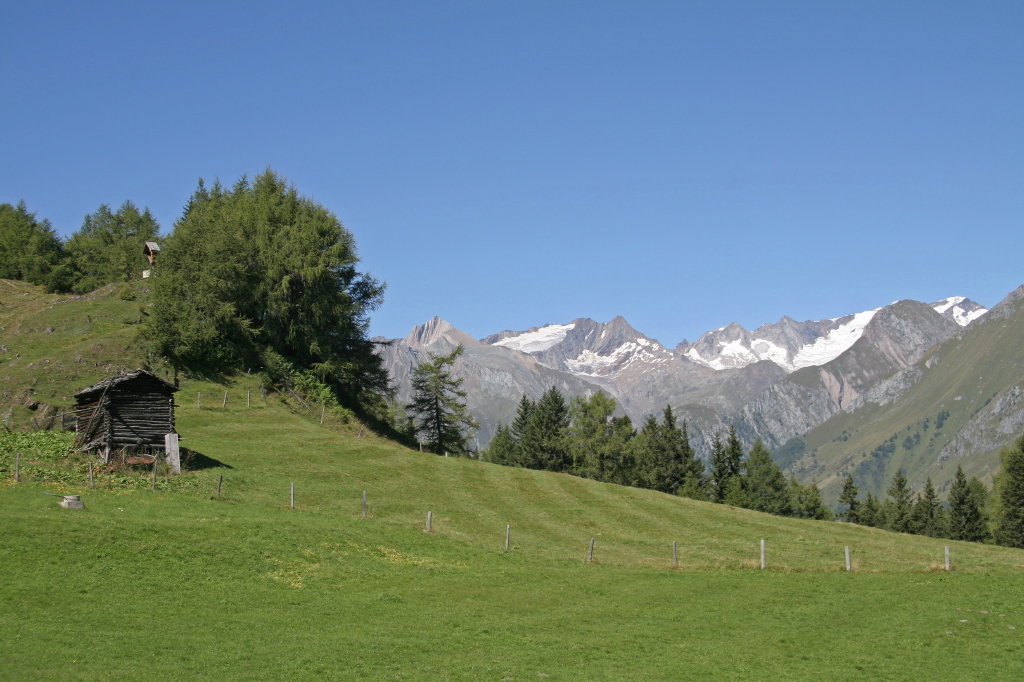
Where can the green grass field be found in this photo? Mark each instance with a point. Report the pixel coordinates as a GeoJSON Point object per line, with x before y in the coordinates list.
{"type": "Point", "coordinates": [176, 585]}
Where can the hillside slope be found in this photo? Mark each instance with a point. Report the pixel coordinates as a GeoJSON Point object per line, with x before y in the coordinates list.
{"type": "Point", "coordinates": [957, 405]}
{"type": "Point", "coordinates": [52, 345]}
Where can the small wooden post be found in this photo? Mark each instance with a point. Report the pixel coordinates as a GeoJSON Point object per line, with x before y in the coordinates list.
{"type": "Point", "coordinates": [420, 444]}
{"type": "Point", "coordinates": [590, 555]}
{"type": "Point", "coordinates": [675, 557]}
{"type": "Point", "coordinates": [92, 484]}
{"type": "Point", "coordinates": [762, 555]}
{"type": "Point", "coordinates": [220, 482]}
{"type": "Point", "coordinates": [199, 400]}
{"type": "Point", "coordinates": [364, 504]}
{"type": "Point", "coordinates": [445, 453]}
{"type": "Point", "coordinates": [508, 536]}
{"type": "Point", "coordinates": [360, 434]}
{"type": "Point", "coordinates": [172, 453]}
{"type": "Point", "coordinates": [154, 473]}
{"type": "Point", "coordinates": [248, 398]}
{"type": "Point", "coordinates": [430, 517]}
{"type": "Point", "coordinates": [263, 392]}
{"type": "Point", "coordinates": [947, 557]}
{"type": "Point", "coordinates": [323, 410]}
{"type": "Point", "coordinates": [848, 567]}
{"type": "Point", "coordinates": [225, 404]}
{"type": "Point", "coordinates": [293, 496]}
{"type": "Point", "coordinates": [17, 468]}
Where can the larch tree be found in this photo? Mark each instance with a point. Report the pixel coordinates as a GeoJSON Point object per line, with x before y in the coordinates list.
{"type": "Point", "coordinates": [438, 403]}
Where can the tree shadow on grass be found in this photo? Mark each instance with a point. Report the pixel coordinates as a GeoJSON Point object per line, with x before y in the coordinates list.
{"type": "Point", "coordinates": [197, 461]}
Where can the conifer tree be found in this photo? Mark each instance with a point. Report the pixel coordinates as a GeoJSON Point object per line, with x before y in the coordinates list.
{"type": "Point", "coordinates": [258, 275]}
{"type": "Point", "coordinates": [438, 403]}
{"type": "Point", "coordinates": [965, 515]}
{"type": "Point", "coordinates": [721, 469]}
{"type": "Point", "coordinates": [600, 444]}
{"type": "Point", "coordinates": [765, 486]}
{"type": "Point", "coordinates": [806, 501]}
{"type": "Point", "coordinates": [662, 454]}
{"type": "Point", "coordinates": [869, 513]}
{"type": "Point", "coordinates": [928, 516]}
{"type": "Point", "coordinates": [543, 442]}
{"type": "Point", "coordinates": [848, 497]}
{"type": "Point", "coordinates": [503, 447]}
{"type": "Point", "coordinates": [695, 483]}
{"type": "Point", "coordinates": [1010, 494]}
{"type": "Point", "coordinates": [898, 512]}
{"type": "Point", "coordinates": [30, 250]}
{"type": "Point", "coordinates": [109, 246]}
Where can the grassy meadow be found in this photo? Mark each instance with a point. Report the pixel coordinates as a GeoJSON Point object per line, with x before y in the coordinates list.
{"type": "Point", "coordinates": [177, 584]}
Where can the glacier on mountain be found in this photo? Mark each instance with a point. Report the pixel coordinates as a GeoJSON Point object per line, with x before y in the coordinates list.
{"type": "Point", "coordinates": [537, 341]}
{"type": "Point", "coordinates": [835, 343]}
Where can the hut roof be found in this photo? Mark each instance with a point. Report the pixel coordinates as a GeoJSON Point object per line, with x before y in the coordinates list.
{"type": "Point", "coordinates": [151, 247]}
{"type": "Point", "coordinates": [120, 379]}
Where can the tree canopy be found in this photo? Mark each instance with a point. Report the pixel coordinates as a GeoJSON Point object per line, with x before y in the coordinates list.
{"type": "Point", "coordinates": [260, 276]}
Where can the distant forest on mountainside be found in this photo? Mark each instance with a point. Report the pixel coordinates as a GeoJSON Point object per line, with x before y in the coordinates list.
{"type": "Point", "coordinates": [251, 276]}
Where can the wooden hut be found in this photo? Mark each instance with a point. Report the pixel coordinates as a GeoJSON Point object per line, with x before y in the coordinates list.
{"type": "Point", "coordinates": [133, 409]}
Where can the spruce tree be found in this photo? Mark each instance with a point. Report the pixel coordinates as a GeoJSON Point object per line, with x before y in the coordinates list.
{"type": "Point", "coordinates": [965, 515]}
{"type": "Point", "coordinates": [806, 501]}
{"type": "Point", "coordinates": [898, 513]}
{"type": "Point", "coordinates": [695, 482]}
{"type": "Point", "coordinates": [928, 517]}
{"type": "Point", "coordinates": [766, 487]}
{"type": "Point", "coordinates": [502, 448]}
{"type": "Point", "coordinates": [869, 512]}
{"type": "Point", "coordinates": [848, 497]}
{"type": "Point", "coordinates": [543, 443]}
{"type": "Point", "coordinates": [600, 444]}
{"type": "Point", "coordinates": [662, 454]}
{"type": "Point", "coordinates": [1010, 494]}
{"type": "Point", "coordinates": [721, 471]}
{"type": "Point", "coordinates": [517, 432]}
{"type": "Point", "coordinates": [438, 403]}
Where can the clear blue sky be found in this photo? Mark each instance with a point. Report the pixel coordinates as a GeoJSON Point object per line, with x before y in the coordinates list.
{"type": "Point", "coordinates": [510, 164]}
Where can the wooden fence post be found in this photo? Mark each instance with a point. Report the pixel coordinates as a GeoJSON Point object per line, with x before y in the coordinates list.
{"type": "Point", "coordinates": [323, 410]}
{"type": "Point", "coordinates": [508, 536]}
{"type": "Point", "coordinates": [220, 482]}
{"type": "Point", "coordinates": [91, 482]}
{"type": "Point", "coordinates": [199, 401]}
{"type": "Point", "coordinates": [154, 472]}
{"type": "Point", "coordinates": [17, 468]}
{"type": "Point", "coordinates": [675, 557]}
{"type": "Point", "coordinates": [762, 555]}
{"type": "Point", "coordinates": [172, 454]}
{"type": "Point", "coordinates": [248, 398]}
{"type": "Point", "coordinates": [430, 517]}
{"type": "Point", "coordinates": [225, 403]}
{"type": "Point", "coordinates": [364, 504]}
{"type": "Point", "coordinates": [293, 497]}
{"type": "Point", "coordinates": [590, 555]}
{"type": "Point", "coordinates": [947, 557]}
{"type": "Point", "coordinates": [848, 567]}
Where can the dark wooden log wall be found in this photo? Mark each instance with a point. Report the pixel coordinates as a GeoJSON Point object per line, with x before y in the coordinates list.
{"type": "Point", "coordinates": [136, 412]}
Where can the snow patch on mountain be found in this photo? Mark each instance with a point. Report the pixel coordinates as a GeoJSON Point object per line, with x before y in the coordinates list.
{"type": "Point", "coordinates": [589, 363]}
{"type": "Point", "coordinates": [539, 340]}
{"type": "Point", "coordinates": [835, 343]}
{"type": "Point", "coordinates": [962, 310]}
